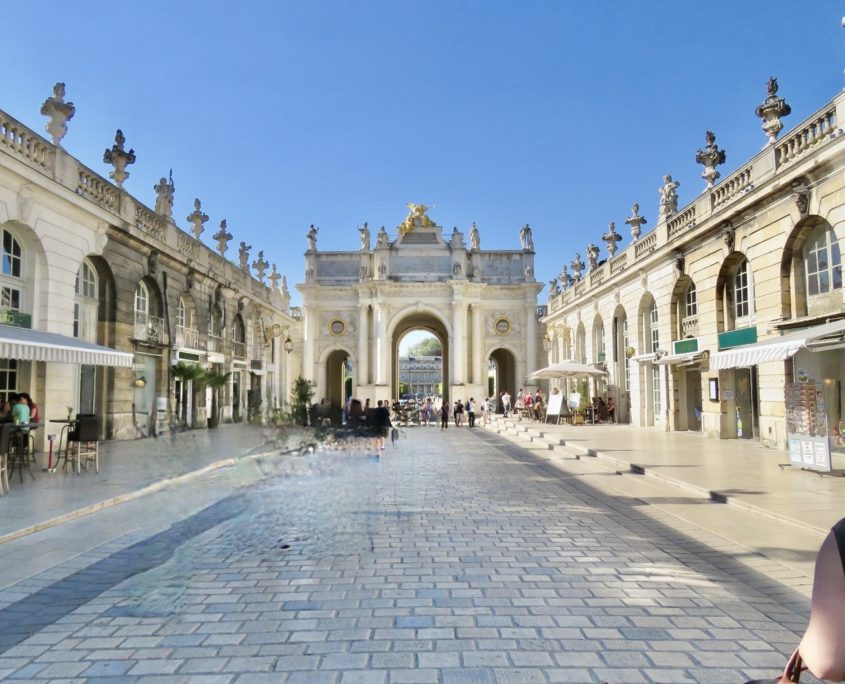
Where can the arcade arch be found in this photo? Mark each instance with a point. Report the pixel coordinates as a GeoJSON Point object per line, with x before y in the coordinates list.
{"type": "Point", "coordinates": [431, 322]}
{"type": "Point", "coordinates": [504, 374]}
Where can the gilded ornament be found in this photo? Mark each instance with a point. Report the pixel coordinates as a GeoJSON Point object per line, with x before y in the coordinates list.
{"type": "Point", "coordinates": [417, 218]}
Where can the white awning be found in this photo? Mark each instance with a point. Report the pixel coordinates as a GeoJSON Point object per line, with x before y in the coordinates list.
{"type": "Point", "coordinates": [643, 358]}
{"type": "Point", "coordinates": [34, 345]}
{"type": "Point", "coordinates": [680, 359]}
{"type": "Point", "coordinates": [777, 348]}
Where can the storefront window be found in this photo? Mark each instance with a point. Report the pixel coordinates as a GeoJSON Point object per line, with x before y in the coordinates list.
{"type": "Point", "coordinates": [823, 262]}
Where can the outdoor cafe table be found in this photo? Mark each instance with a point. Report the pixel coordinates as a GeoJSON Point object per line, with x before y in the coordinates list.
{"type": "Point", "coordinates": [66, 424]}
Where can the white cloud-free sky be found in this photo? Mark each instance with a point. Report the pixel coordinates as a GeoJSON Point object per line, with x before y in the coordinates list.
{"type": "Point", "coordinates": [278, 115]}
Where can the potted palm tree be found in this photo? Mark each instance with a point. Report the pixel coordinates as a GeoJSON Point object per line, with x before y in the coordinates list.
{"type": "Point", "coordinates": [186, 373]}
{"type": "Point", "coordinates": [216, 381]}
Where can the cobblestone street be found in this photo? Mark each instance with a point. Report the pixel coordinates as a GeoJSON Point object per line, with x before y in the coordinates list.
{"type": "Point", "coordinates": [456, 557]}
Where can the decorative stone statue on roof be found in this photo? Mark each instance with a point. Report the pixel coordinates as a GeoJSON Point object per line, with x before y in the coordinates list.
{"type": "Point", "coordinates": [553, 288]}
{"type": "Point", "coordinates": [59, 111]}
{"type": "Point", "coordinates": [635, 221]}
{"type": "Point", "coordinates": [222, 238]}
{"type": "Point", "coordinates": [260, 266]}
{"type": "Point", "coordinates": [772, 110]}
{"type": "Point", "coordinates": [197, 219]}
{"type": "Point", "coordinates": [416, 219]}
{"type": "Point", "coordinates": [474, 238]}
{"type": "Point", "coordinates": [565, 278]}
{"type": "Point", "coordinates": [119, 159]}
{"type": "Point", "coordinates": [285, 291]}
{"type": "Point", "coordinates": [365, 238]}
{"type": "Point", "coordinates": [243, 256]}
{"type": "Point", "coordinates": [457, 241]}
{"type": "Point", "coordinates": [527, 240]}
{"type": "Point", "coordinates": [711, 156]}
{"type": "Point", "coordinates": [668, 196]}
{"type": "Point", "coordinates": [274, 277]}
{"type": "Point", "coordinates": [577, 267]}
{"type": "Point", "coordinates": [382, 240]}
{"type": "Point", "coordinates": [312, 238]}
{"type": "Point", "coordinates": [164, 200]}
{"type": "Point", "coordinates": [592, 256]}
{"type": "Point", "coordinates": [611, 237]}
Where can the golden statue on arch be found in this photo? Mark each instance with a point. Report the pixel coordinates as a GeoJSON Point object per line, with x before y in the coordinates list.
{"type": "Point", "coordinates": [417, 217]}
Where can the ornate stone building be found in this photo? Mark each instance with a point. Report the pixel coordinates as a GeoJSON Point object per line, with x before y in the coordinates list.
{"type": "Point", "coordinates": [479, 304]}
{"type": "Point", "coordinates": [89, 264]}
{"type": "Point", "coordinates": [702, 321]}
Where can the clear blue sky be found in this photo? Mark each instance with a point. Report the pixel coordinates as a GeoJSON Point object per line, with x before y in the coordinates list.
{"type": "Point", "coordinates": [282, 114]}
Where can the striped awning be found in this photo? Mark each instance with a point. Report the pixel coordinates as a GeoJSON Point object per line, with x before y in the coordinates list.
{"type": "Point", "coordinates": [35, 345]}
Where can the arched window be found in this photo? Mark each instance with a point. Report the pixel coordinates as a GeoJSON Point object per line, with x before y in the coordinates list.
{"type": "Point", "coordinates": [654, 344]}
{"type": "Point", "coordinates": [85, 303]}
{"type": "Point", "coordinates": [822, 262]}
{"type": "Point", "coordinates": [743, 289]}
{"type": "Point", "coordinates": [11, 296]}
{"type": "Point", "coordinates": [142, 300]}
{"type": "Point", "coordinates": [689, 313]}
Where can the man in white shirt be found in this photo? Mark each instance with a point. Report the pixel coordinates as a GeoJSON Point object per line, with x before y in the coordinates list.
{"type": "Point", "coordinates": [471, 412]}
{"type": "Point", "coordinates": [506, 402]}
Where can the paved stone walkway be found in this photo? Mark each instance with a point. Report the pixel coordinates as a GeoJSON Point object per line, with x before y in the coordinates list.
{"type": "Point", "coordinates": [457, 557]}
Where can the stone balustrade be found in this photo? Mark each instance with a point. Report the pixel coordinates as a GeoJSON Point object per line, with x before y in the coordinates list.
{"type": "Point", "coordinates": [818, 129]}
{"type": "Point", "coordinates": [596, 276]}
{"type": "Point", "coordinates": [689, 327]}
{"type": "Point", "coordinates": [712, 206]}
{"type": "Point", "coordinates": [38, 153]}
{"type": "Point", "coordinates": [25, 144]}
{"type": "Point", "coordinates": [681, 222]}
{"type": "Point", "coordinates": [618, 264]}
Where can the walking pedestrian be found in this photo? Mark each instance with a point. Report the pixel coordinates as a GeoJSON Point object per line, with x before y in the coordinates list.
{"type": "Point", "coordinates": [381, 424]}
{"type": "Point", "coordinates": [485, 410]}
{"type": "Point", "coordinates": [444, 416]}
{"type": "Point", "coordinates": [520, 405]}
{"type": "Point", "coordinates": [529, 405]}
{"type": "Point", "coordinates": [459, 413]}
{"type": "Point", "coordinates": [506, 403]}
{"type": "Point", "coordinates": [471, 412]}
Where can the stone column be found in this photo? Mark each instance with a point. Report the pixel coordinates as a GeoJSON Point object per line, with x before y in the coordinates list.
{"type": "Point", "coordinates": [477, 357]}
{"type": "Point", "coordinates": [308, 342]}
{"type": "Point", "coordinates": [363, 370]}
{"type": "Point", "coordinates": [531, 341]}
{"type": "Point", "coordinates": [382, 352]}
{"type": "Point", "coordinates": [459, 314]}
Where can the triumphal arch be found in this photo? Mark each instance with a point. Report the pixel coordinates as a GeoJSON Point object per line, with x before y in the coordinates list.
{"type": "Point", "coordinates": [480, 304]}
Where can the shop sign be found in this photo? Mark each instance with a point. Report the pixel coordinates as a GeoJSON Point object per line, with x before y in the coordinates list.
{"type": "Point", "coordinates": [809, 452]}
{"type": "Point", "coordinates": [15, 318]}
{"type": "Point", "coordinates": [737, 338]}
{"type": "Point", "coordinates": [188, 356]}
{"type": "Point", "coordinates": [686, 346]}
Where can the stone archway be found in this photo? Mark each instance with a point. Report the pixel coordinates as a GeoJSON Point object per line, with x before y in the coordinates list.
{"type": "Point", "coordinates": [335, 385]}
{"type": "Point", "coordinates": [420, 320]}
{"type": "Point", "coordinates": [505, 361]}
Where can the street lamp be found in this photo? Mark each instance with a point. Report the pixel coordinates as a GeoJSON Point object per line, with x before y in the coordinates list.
{"type": "Point", "coordinates": [288, 345]}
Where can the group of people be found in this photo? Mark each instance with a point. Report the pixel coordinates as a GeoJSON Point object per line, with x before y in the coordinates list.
{"type": "Point", "coordinates": [372, 423]}
{"type": "Point", "coordinates": [526, 404]}
{"type": "Point", "coordinates": [460, 408]}
{"type": "Point", "coordinates": [19, 408]}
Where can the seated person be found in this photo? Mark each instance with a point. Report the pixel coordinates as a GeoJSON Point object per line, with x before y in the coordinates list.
{"type": "Point", "coordinates": [611, 408]}
{"type": "Point", "coordinates": [33, 408]}
{"type": "Point", "coordinates": [20, 410]}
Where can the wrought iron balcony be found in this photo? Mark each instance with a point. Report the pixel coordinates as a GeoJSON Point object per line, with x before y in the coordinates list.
{"type": "Point", "coordinates": [218, 344]}
{"type": "Point", "coordinates": [187, 338]}
{"type": "Point", "coordinates": [689, 327]}
{"type": "Point", "coordinates": [148, 328]}
{"type": "Point", "coordinates": [239, 350]}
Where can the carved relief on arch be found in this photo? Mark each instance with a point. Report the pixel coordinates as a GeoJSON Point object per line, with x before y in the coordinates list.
{"type": "Point", "coordinates": [801, 196]}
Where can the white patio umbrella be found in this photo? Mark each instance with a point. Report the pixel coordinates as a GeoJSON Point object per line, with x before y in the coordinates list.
{"type": "Point", "coordinates": [568, 369]}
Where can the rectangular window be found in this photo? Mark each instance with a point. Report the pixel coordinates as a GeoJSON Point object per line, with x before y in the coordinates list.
{"type": "Point", "coordinates": [10, 298]}
{"type": "Point", "coordinates": [76, 320]}
{"type": "Point", "coordinates": [11, 255]}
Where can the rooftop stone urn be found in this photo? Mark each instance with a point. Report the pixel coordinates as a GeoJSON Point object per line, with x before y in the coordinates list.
{"type": "Point", "coordinates": [119, 159]}
{"type": "Point", "coordinates": [59, 111]}
{"type": "Point", "coordinates": [711, 156]}
{"type": "Point", "coordinates": [772, 110]}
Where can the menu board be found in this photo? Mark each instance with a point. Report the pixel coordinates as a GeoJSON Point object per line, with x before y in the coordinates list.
{"type": "Point", "coordinates": [555, 405]}
{"type": "Point", "coordinates": [806, 425]}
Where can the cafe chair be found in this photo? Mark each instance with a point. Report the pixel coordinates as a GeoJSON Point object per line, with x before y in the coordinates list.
{"type": "Point", "coordinates": [84, 444]}
{"type": "Point", "coordinates": [5, 443]}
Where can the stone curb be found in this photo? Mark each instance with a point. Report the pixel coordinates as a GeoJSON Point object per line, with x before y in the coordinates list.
{"type": "Point", "coordinates": [129, 496]}
{"type": "Point", "coordinates": [531, 434]}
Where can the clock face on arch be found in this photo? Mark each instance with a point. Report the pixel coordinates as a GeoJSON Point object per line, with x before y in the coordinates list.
{"type": "Point", "coordinates": [337, 327]}
{"type": "Point", "coordinates": [502, 326]}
